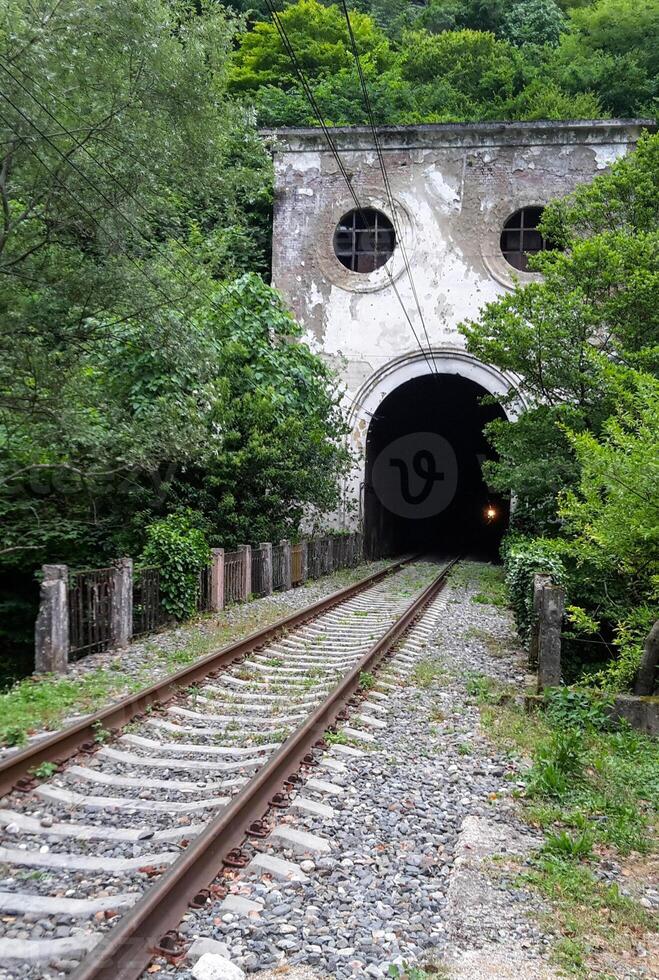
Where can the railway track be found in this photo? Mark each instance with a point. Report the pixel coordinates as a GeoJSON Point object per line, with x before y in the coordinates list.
{"type": "Point", "coordinates": [102, 858]}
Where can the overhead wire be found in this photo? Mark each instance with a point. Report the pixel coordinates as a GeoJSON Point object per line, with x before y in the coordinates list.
{"type": "Point", "coordinates": [285, 40]}
{"type": "Point", "coordinates": [101, 165]}
{"type": "Point", "coordinates": [385, 176]}
{"type": "Point", "coordinates": [169, 300]}
{"type": "Point", "coordinates": [128, 193]}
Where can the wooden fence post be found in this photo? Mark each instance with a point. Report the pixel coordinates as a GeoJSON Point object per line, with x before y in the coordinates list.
{"type": "Point", "coordinates": [246, 550]}
{"type": "Point", "coordinates": [217, 580]}
{"type": "Point", "coordinates": [552, 606]}
{"type": "Point", "coordinates": [51, 631]}
{"type": "Point", "coordinates": [266, 551]}
{"type": "Point", "coordinates": [122, 604]}
{"type": "Point", "coordinates": [286, 560]}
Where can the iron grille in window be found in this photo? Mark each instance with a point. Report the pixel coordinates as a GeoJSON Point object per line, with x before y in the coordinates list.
{"type": "Point", "coordinates": [520, 237]}
{"type": "Point", "coordinates": [364, 240]}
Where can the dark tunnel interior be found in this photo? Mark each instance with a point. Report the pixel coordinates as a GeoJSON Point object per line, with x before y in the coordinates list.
{"type": "Point", "coordinates": [424, 488]}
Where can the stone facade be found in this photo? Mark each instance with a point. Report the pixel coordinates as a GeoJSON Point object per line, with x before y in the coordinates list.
{"type": "Point", "coordinates": [454, 186]}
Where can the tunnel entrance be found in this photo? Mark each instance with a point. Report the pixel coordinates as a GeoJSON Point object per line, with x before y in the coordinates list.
{"type": "Point", "coordinates": [424, 488]}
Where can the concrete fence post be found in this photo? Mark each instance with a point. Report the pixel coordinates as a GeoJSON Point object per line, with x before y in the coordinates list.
{"type": "Point", "coordinates": [246, 550]}
{"type": "Point", "coordinates": [51, 631]}
{"type": "Point", "coordinates": [539, 582]}
{"type": "Point", "coordinates": [304, 561]}
{"type": "Point", "coordinates": [286, 562]}
{"type": "Point", "coordinates": [122, 603]}
{"type": "Point", "coordinates": [646, 675]}
{"type": "Point", "coordinates": [217, 580]}
{"type": "Point", "coordinates": [266, 552]}
{"type": "Point", "coordinates": [552, 607]}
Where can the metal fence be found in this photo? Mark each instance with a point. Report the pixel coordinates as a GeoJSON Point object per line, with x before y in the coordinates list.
{"type": "Point", "coordinates": [234, 576]}
{"type": "Point", "coordinates": [90, 610]}
{"type": "Point", "coordinates": [148, 612]}
{"type": "Point", "coordinates": [260, 572]}
{"type": "Point", "coordinates": [204, 590]}
{"type": "Point", "coordinates": [297, 563]}
{"type": "Point", "coordinates": [279, 570]}
{"type": "Point", "coordinates": [313, 558]}
{"type": "Point", "coordinates": [97, 602]}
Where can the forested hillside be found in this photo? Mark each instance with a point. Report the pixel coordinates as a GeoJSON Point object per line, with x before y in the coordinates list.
{"type": "Point", "coordinates": [146, 371]}
{"type": "Point", "coordinates": [452, 60]}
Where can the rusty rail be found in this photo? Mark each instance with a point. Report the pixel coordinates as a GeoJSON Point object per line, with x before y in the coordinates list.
{"type": "Point", "coordinates": [128, 948]}
{"type": "Point", "coordinates": [65, 743]}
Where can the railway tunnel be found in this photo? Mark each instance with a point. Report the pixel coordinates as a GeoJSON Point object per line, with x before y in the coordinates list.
{"type": "Point", "coordinates": [423, 488]}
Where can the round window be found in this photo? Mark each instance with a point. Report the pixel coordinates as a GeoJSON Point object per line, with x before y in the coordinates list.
{"type": "Point", "coordinates": [364, 240]}
{"type": "Point", "coordinates": [520, 237]}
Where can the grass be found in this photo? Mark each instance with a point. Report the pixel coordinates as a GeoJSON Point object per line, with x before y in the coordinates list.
{"type": "Point", "coordinates": [37, 704]}
{"type": "Point", "coordinates": [594, 790]}
{"type": "Point", "coordinates": [486, 580]}
{"type": "Point", "coordinates": [366, 680]}
{"type": "Point", "coordinates": [44, 770]}
{"type": "Point", "coordinates": [486, 690]}
{"type": "Point", "coordinates": [496, 646]}
{"type": "Point", "coordinates": [336, 738]}
{"type": "Point", "coordinates": [588, 914]}
{"type": "Point", "coordinates": [427, 671]}
{"type": "Point", "coordinates": [429, 971]}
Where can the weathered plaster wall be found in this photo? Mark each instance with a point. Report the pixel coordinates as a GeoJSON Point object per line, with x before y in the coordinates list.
{"type": "Point", "coordinates": [453, 186]}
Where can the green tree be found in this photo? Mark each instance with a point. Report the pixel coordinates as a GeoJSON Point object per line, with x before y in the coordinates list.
{"type": "Point", "coordinates": [274, 439]}
{"type": "Point", "coordinates": [134, 190]}
{"type": "Point", "coordinates": [611, 49]}
{"type": "Point", "coordinates": [601, 289]}
{"type": "Point", "coordinates": [614, 510]}
{"type": "Point", "coordinates": [612, 519]}
{"type": "Point", "coordinates": [462, 74]}
{"type": "Point", "coordinates": [180, 551]}
{"type": "Point", "coordinates": [319, 37]}
{"type": "Point", "coordinates": [533, 22]}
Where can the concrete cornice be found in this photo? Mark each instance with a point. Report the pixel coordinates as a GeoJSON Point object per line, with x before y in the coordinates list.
{"type": "Point", "coordinates": [461, 135]}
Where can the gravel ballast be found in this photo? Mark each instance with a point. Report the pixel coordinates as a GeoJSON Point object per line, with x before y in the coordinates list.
{"type": "Point", "coordinates": [410, 877]}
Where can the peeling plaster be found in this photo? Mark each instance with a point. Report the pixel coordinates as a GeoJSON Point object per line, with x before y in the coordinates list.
{"type": "Point", "coordinates": [606, 155]}
{"type": "Point", "coordinates": [456, 185]}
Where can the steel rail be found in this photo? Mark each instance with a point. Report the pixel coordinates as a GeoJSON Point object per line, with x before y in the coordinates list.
{"type": "Point", "coordinates": [127, 949]}
{"type": "Point", "coordinates": [62, 744]}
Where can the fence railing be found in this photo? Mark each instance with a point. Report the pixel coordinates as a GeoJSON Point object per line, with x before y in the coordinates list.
{"type": "Point", "coordinates": [233, 577]}
{"type": "Point", "coordinates": [91, 610]}
{"type": "Point", "coordinates": [90, 595]}
{"type": "Point", "coordinates": [148, 612]}
{"type": "Point", "coordinates": [262, 570]}
{"type": "Point", "coordinates": [298, 563]}
{"type": "Point", "coordinates": [281, 575]}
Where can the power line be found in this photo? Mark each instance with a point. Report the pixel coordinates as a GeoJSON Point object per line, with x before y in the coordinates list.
{"type": "Point", "coordinates": [82, 206]}
{"type": "Point", "coordinates": [385, 176]}
{"type": "Point", "coordinates": [169, 302]}
{"type": "Point", "coordinates": [114, 178]}
{"type": "Point", "coordinates": [335, 153]}
{"type": "Point", "coordinates": [67, 159]}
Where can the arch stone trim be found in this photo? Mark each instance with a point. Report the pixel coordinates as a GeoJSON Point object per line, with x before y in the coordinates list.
{"type": "Point", "coordinates": [413, 365]}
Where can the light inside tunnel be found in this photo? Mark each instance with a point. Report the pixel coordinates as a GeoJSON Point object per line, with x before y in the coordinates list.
{"type": "Point", "coordinates": [424, 488]}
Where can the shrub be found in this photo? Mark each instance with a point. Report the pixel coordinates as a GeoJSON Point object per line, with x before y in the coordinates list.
{"type": "Point", "coordinates": [630, 635]}
{"type": "Point", "coordinates": [563, 845]}
{"type": "Point", "coordinates": [180, 551]}
{"type": "Point", "coordinates": [558, 764]}
{"type": "Point", "coordinates": [577, 709]}
{"type": "Point", "coordinates": [524, 558]}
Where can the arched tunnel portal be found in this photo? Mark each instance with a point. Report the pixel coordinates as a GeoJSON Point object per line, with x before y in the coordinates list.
{"type": "Point", "coordinates": [424, 489]}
